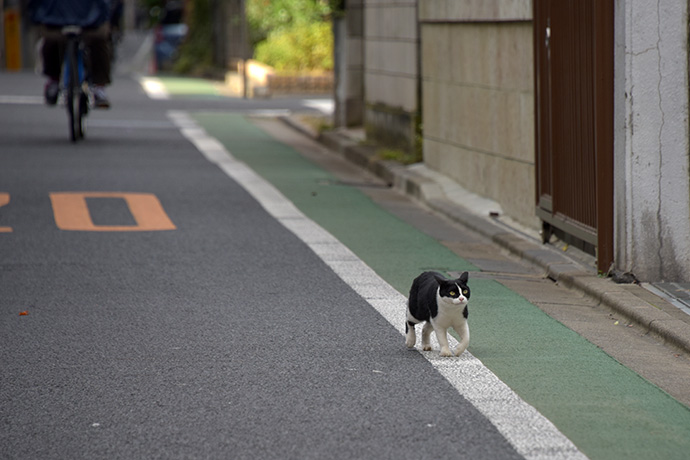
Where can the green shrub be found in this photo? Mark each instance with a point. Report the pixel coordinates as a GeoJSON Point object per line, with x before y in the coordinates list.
{"type": "Point", "coordinates": [196, 52]}
{"type": "Point", "coordinates": [297, 48]}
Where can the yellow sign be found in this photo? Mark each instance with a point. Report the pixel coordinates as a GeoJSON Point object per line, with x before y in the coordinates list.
{"type": "Point", "coordinates": [13, 39]}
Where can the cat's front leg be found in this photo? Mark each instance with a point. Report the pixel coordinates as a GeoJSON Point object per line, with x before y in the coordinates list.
{"type": "Point", "coordinates": [410, 335]}
{"type": "Point", "coordinates": [464, 332]}
{"type": "Point", "coordinates": [426, 336]}
{"type": "Point", "coordinates": [441, 335]}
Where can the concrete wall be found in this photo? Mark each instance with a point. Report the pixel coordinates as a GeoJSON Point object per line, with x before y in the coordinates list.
{"type": "Point", "coordinates": [475, 60]}
{"type": "Point", "coordinates": [478, 99]}
{"type": "Point", "coordinates": [652, 184]}
{"type": "Point", "coordinates": [391, 70]}
{"type": "Point", "coordinates": [348, 32]}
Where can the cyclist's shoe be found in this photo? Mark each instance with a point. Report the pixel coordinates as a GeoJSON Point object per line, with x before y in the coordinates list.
{"type": "Point", "coordinates": [51, 91]}
{"type": "Point", "coordinates": [100, 99]}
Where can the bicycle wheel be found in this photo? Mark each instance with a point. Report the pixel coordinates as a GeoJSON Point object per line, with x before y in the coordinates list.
{"type": "Point", "coordinates": [82, 112]}
{"type": "Point", "coordinates": [72, 83]}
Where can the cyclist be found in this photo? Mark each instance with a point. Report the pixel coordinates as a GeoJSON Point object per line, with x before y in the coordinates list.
{"type": "Point", "coordinates": [93, 16]}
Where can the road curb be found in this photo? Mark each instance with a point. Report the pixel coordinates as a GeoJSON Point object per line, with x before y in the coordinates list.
{"type": "Point", "coordinates": [648, 315]}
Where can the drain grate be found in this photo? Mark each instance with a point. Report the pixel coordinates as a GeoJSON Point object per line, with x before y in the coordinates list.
{"type": "Point", "coordinates": [678, 292]}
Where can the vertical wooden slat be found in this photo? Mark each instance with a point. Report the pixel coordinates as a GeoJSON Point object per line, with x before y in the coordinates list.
{"type": "Point", "coordinates": [572, 153]}
{"type": "Point", "coordinates": [575, 154]}
{"type": "Point", "coordinates": [603, 88]}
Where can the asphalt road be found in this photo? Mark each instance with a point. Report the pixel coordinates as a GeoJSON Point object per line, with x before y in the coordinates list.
{"type": "Point", "coordinates": [192, 283]}
{"type": "Point", "coordinates": [223, 336]}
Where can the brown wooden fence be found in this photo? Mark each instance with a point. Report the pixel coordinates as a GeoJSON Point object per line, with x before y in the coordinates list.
{"type": "Point", "coordinates": [573, 41]}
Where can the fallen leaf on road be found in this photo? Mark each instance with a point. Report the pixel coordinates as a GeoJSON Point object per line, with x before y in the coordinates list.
{"type": "Point", "coordinates": [23, 313]}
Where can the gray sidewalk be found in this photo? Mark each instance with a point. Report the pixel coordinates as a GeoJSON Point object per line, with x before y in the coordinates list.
{"type": "Point", "coordinates": [656, 315]}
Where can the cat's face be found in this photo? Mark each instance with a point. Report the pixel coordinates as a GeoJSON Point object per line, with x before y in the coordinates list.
{"type": "Point", "coordinates": [455, 292]}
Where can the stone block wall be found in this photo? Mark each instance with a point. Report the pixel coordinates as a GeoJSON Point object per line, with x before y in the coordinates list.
{"type": "Point", "coordinates": [348, 34]}
{"type": "Point", "coordinates": [391, 71]}
{"type": "Point", "coordinates": [300, 84]}
{"type": "Point", "coordinates": [478, 99]}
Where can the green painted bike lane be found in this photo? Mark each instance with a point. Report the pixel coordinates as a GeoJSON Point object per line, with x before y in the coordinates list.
{"type": "Point", "coordinates": [606, 409]}
{"type": "Point", "coordinates": [189, 87]}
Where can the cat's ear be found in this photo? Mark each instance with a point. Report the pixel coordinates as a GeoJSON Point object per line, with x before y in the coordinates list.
{"type": "Point", "coordinates": [464, 277]}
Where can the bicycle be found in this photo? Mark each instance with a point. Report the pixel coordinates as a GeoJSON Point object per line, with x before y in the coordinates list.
{"type": "Point", "coordinates": [75, 82]}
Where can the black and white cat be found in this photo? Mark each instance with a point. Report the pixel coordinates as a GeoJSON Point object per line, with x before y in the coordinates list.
{"type": "Point", "coordinates": [442, 303]}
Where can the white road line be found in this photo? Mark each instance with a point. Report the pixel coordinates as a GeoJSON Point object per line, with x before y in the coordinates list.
{"type": "Point", "coordinates": [131, 124]}
{"type": "Point", "coordinates": [325, 106]}
{"type": "Point", "coordinates": [23, 100]}
{"type": "Point", "coordinates": [532, 435]}
{"type": "Point", "coordinates": [154, 88]}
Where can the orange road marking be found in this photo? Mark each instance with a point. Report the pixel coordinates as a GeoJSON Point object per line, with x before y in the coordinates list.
{"type": "Point", "coordinates": [72, 213]}
{"type": "Point", "coordinates": [4, 200]}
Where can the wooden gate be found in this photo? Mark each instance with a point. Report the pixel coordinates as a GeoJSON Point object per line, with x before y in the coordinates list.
{"type": "Point", "coordinates": [573, 44]}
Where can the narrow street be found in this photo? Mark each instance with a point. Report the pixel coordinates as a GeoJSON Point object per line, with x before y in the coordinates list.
{"type": "Point", "coordinates": [198, 280]}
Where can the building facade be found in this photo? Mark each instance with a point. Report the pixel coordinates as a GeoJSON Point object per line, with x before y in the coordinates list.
{"type": "Point", "coordinates": [572, 115]}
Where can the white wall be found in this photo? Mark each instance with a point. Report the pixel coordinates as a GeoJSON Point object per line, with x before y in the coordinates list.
{"type": "Point", "coordinates": [391, 71]}
{"type": "Point", "coordinates": [652, 182]}
{"type": "Point", "coordinates": [478, 98]}
{"type": "Point", "coordinates": [390, 30]}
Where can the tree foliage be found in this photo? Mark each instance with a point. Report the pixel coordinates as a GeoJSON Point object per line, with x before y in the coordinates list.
{"type": "Point", "coordinates": [272, 16]}
{"type": "Point", "coordinates": [291, 35]}
{"type": "Point", "coordinates": [196, 53]}
{"type": "Point", "coordinates": [297, 49]}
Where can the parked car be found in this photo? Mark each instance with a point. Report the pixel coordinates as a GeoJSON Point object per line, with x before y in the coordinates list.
{"type": "Point", "coordinates": [170, 32]}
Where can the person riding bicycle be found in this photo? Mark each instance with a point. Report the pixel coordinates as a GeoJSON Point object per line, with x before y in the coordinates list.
{"type": "Point", "coordinates": [94, 18]}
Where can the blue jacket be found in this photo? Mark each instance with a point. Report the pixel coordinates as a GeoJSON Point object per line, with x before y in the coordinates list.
{"type": "Point", "coordinates": [84, 13]}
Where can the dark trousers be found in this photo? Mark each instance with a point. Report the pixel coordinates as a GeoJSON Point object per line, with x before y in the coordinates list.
{"type": "Point", "coordinates": [98, 53]}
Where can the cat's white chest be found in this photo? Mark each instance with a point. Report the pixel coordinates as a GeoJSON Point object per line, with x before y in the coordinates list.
{"type": "Point", "coordinates": [450, 315]}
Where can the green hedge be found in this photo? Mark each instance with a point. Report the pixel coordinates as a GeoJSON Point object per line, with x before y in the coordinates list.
{"type": "Point", "coordinates": [305, 47]}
